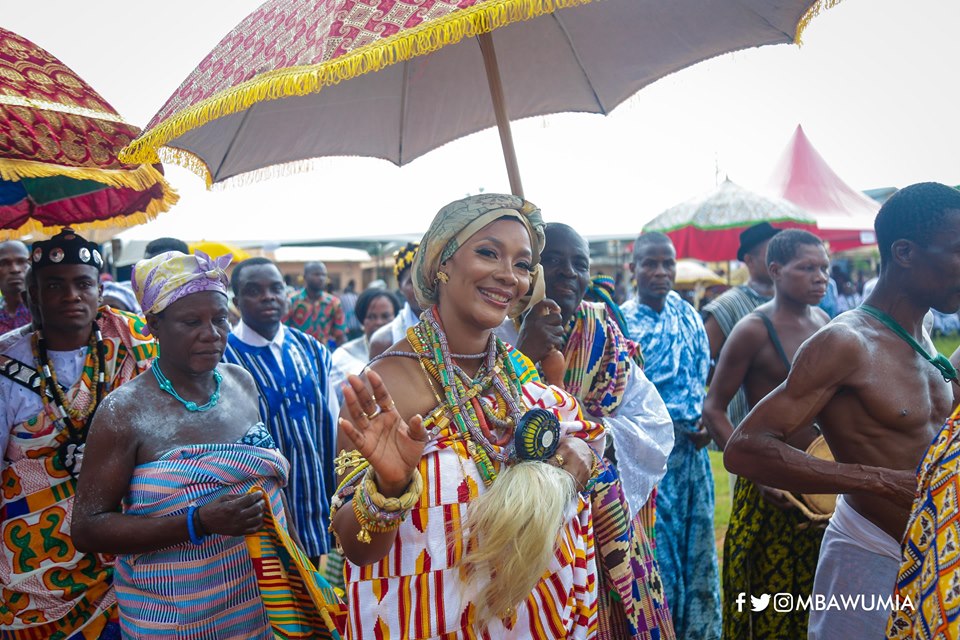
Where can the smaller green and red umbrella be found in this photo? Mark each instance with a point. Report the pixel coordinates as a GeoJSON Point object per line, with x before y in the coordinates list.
{"type": "Point", "coordinates": [59, 141]}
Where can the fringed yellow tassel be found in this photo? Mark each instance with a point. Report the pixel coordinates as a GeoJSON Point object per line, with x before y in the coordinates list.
{"type": "Point", "coordinates": [815, 10]}
{"type": "Point", "coordinates": [141, 178]}
{"type": "Point", "coordinates": [512, 533]}
{"type": "Point", "coordinates": [154, 208]}
{"type": "Point", "coordinates": [305, 80]}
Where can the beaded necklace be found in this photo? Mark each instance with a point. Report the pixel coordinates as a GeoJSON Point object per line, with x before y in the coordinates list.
{"type": "Point", "coordinates": [461, 402]}
{"type": "Point", "coordinates": [73, 419]}
{"type": "Point", "coordinates": [167, 386]}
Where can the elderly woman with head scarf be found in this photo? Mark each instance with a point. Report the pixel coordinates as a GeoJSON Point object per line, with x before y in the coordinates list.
{"type": "Point", "coordinates": [181, 480]}
{"type": "Point", "coordinates": [461, 509]}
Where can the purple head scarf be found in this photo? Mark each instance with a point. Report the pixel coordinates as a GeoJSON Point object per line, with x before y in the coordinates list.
{"type": "Point", "coordinates": [164, 279]}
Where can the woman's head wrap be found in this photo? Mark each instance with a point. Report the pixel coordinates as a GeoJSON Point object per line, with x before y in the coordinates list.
{"type": "Point", "coordinates": [455, 223]}
{"type": "Point", "coordinates": [164, 279]}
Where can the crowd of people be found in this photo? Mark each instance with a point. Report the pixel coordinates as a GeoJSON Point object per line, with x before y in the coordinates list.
{"type": "Point", "coordinates": [501, 451]}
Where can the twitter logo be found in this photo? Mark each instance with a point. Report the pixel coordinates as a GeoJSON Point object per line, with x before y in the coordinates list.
{"type": "Point", "coordinates": [759, 604]}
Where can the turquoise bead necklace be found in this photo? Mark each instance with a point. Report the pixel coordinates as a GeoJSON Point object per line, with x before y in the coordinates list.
{"type": "Point", "coordinates": [167, 386]}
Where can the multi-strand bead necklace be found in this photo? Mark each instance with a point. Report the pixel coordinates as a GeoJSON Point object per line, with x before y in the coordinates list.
{"type": "Point", "coordinates": [461, 393]}
{"type": "Point", "coordinates": [75, 420]}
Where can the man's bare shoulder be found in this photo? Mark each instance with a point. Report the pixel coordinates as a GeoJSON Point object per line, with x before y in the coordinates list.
{"type": "Point", "coordinates": [748, 334]}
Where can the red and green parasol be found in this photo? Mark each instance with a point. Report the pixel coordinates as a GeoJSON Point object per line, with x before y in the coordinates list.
{"type": "Point", "coordinates": [58, 151]}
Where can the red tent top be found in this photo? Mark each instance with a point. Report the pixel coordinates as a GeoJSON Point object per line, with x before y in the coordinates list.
{"type": "Point", "coordinates": [844, 215]}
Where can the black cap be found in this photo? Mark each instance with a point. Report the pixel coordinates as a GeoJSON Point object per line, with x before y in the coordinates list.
{"type": "Point", "coordinates": [65, 248]}
{"type": "Point", "coordinates": [753, 236]}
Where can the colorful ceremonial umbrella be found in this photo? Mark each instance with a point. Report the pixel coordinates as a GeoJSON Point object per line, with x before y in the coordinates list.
{"type": "Point", "coordinates": [301, 79]}
{"type": "Point", "coordinates": [58, 151]}
{"type": "Point", "coordinates": [708, 227]}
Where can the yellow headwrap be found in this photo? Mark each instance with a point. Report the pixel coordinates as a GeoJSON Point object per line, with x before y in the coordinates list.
{"type": "Point", "coordinates": [455, 223]}
{"type": "Point", "coordinates": [164, 279]}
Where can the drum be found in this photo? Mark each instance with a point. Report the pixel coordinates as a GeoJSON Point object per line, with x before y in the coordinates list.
{"type": "Point", "coordinates": [817, 507]}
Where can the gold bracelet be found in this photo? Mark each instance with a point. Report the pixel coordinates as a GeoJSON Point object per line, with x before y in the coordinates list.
{"type": "Point", "coordinates": [402, 503]}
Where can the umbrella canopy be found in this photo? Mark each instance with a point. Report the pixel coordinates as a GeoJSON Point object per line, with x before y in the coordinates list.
{"type": "Point", "coordinates": [295, 80]}
{"type": "Point", "coordinates": [844, 215]}
{"type": "Point", "coordinates": [58, 151]}
{"type": "Point", "coordinates": [691, 274]}
{"type": "Point", "coordinates": [709, 227]}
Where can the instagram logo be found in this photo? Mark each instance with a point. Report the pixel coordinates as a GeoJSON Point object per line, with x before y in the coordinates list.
{"type": "Point", "coordinates": [783, 602]}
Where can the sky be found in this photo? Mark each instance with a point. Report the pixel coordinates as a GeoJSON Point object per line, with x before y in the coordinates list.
{"type": "Point", "coordinates": [873, 86]}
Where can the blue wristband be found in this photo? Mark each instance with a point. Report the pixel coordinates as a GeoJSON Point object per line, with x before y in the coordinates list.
{"type": "Point", "coordinates": [194, 538]}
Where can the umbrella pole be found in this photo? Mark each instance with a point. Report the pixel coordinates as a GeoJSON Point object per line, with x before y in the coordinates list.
{"type": "Point", "coordinates": [500, 111]}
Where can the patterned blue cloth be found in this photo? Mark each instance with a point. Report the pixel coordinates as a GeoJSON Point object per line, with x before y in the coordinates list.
{"type": "Point", "coordinates": [299, 406]}
{"type": "Point", "coordinates": [677, 357]}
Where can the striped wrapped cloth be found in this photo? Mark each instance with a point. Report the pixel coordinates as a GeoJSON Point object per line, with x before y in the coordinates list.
{"type": "Point", "coordinates": [207, 591]}
{"type": "Point", "coordinates": [299, 601]}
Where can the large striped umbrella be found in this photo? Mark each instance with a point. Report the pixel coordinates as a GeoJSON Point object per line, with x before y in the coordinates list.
{"type": "Point", "coordinates": [302, 79]}
{"type": "Point", "coordinates": [58, 151]}
{"type": "Point", "coordinates": [709, 227]}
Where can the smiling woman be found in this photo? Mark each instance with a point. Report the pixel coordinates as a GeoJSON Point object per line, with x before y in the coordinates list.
{"type": "Point", "coordinates": [431, 465]}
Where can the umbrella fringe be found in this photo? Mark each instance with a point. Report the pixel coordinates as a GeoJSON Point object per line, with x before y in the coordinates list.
{"type": "Point", "coordinates": [815, 10]}
{"type": "Point", "coordinates": [141, 178]}
{"type": "Point", "coordinates": [305, 80]}
{"type": "Point", "coordinates": [156, 207]}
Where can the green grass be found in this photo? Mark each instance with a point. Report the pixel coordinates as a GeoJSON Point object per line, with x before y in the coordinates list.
{"type": "Point", "coordinates": [947, 344]}
{"type": "Point", "coordinates": [721, 513]}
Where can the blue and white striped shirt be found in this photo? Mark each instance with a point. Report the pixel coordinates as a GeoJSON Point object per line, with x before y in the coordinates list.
{"type": "Point", "coordinates": [299, 406]}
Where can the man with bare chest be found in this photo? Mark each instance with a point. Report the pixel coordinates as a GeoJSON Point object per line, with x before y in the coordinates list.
{"type": "Point", "coordinates": [869, 380]}
{"type": "Point", "coordinates": [770, 546]}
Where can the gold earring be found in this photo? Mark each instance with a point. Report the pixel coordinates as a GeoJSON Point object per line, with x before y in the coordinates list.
{"type": "Point", "coordinates": [443, 277]}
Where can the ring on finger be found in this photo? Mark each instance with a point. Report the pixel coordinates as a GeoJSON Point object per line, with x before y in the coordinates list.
{"type": "Point", "coordinates": [373, 414]}
{"type": "Point", "coordinates": [557, 458]}
{"type": "Point", "coordinates": [390, 407]}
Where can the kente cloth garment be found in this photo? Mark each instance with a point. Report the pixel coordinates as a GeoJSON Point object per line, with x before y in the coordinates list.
{"type": "Point", "coordinates": [299, 406]}
{"type": "Point", "coordinates": [766, 550]}
{"type": "Point", "coordinates": [163, 279]}
{"type": "Point", "coordinates": [300, 603]}
{"type": "Point", "coordinates": [416, 590]}
{"type": "Point", "coordinates": [456, 222]}
{"type": "Point", "coordinates": [727, 309]}
{"type": "Point", "coordinates": [10, 321]}
{"type": "Point", "coordinates": [858, 563]}
{"type": "Point", "coordinates": [50, 589]}
{"type": "Point", "coordinates": [207, 591]}
{"type": "Point", "coordinates": [602, 372]}
{"type": "Point", "coordinates": [929, 572]}
{"type": "Point", "coordinates": [630, 601]}
{"type": "Point", "coordinates": [677, 357]}
{"type": "Point", "coordinates": [322, 318]}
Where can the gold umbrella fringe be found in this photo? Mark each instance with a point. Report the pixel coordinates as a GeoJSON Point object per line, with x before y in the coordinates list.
{"type": "Point", "coordinates": [156, 207]}
{"type": "Point", "coordinates": [305, 80]}
{"type": "Point", "coordinates": [141, 178]}
{"type": "Point", "coordinates": [815, 10]}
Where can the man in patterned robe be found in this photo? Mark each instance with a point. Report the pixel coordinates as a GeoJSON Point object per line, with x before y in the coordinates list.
{"type": "Point", "coordinates": [297, 400]}
{"type": "Point", "coordinates": [677, 357]}
{"type": "Point", "coordinates": [50, 386]}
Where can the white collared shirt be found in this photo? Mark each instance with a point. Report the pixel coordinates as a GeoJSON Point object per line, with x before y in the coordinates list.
{"type": "Point", "coordinates": [254, 339]}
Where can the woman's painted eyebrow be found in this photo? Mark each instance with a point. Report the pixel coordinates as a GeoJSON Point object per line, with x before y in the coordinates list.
{"type": "Point", "coordinates": [499, 243]}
